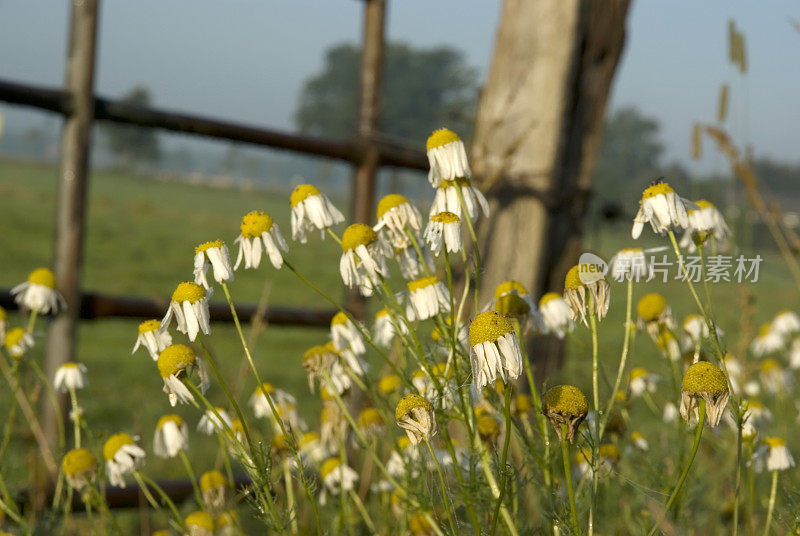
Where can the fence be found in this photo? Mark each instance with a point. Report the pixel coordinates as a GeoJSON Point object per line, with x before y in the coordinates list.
{"type": "Point", "coordinates": [81, 107]}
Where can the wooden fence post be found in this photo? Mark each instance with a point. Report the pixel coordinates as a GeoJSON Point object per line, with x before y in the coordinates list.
{"type": "Point", "coordinates": [71, 200]}
{"type": "Point", "coordinates": [363, 186]}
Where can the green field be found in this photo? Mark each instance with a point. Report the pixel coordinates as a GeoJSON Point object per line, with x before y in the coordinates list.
{"type": "Point", "coordinates": [140, 238]}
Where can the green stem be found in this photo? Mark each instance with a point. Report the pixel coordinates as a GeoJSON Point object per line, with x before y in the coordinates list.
{"type": "Point", "coordinates": [192, 478]}
{"type": "Point", "coordinates": [51, 394]}
{"type": "Point", "coordinates": [622, 360]}
{"type": "Point", "coordinates": [738, 485]}
{"type": "Point", "coordinates": [698, 434]}
{"type": "Point", "coordinates": [164, 497]}
{"type": "Point", "coordinates": [445, 496]}
{"type": "Point", "coordinates": [771, 507]}
{"type": "Point", "coordinates": [76, 417]}
{"type": "Point", "coordinates": [568, 477]}
{"type": "Point", "coordinates": [597, 417]}
{"type": "Point", "coordinates": [504, 472]}
{"type": "Point", "coordinates": [287, 480]}
{"type": "Point", "coordinates": [363, 511]}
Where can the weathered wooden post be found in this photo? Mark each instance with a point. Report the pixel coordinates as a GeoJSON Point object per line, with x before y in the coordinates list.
{"type": "Point", "coordinates": [71, 201]}
{"type": "Point", "coordinates": [363, 188]}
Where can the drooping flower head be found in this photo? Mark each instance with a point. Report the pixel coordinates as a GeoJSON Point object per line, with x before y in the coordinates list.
{"type": "Point", "coordinates": [312, 211]}
{"type": "Point", "coordinates": [449, 196]}
{"type": "Point", "coordinates": [370, 421]}
{"type": "Point", "coordinates": [705, 381]}
{"type": "Point", "coordinates": [587, 292]}
{"type": "Point", "coordinates": [176, 361]}
{"type": "Point", "coordinates": [123, 456]}
{"type": "Point", "coordinates": [213, 485]}
{"type": "Point", "coordinates": [779, 458]}
{"type": "Point", "coordinates": [337, 477]}
{"type": "Point", "coordinates": [654, 314]}
{"type": "Point", "coordinates": [495, 349]}
{"type": "Point", "coordinates": [565, 405]}
{"type": "Point", "coordinates": [415, 415]}
{"type": "Point", "coordinates": [345, 334]}
{"type": "Point", "coordinates": [443, 233]}
{"type": "Point", "coordinates": [213, 253]}
{"type": "Point", "coordinates": [70, 376]}
{"type": "Point", "coordinates": [705, 221]}
{"type": "Point", "coordinates": [630, 264]}
{"type": "Point", "coordinates": [427, 297]}
{"type": "Point", "coordinates": [447, 157]}
{"type": "Point", "coordinates": [18, 342]}
{"type": "Point", "coordinates": [213, 421]}
{"type": "Point", "coordinates": [363, 258]}
{"type": "Point", "coordinates": [556, 314]}
{"type": "Point", "coordinates": [641, 381]}
{"type": "Point", "coordinates": [285, 406]}
{"type": "Point", "coordinates": [383, 329]}
{"type": "Point", "coordinates": [396, 217]}
{"type": "Point", "coordinates": [258, 230]}
{"type": "Point", "coordinates": [189, 306]}
{"type": "Point", "coordinates": [661, 207]}
{"type": "Point", "coordinates": [319, 360]}
{"type": "Point", "coordinates": [80, 468]}
{"type": "Point", "coordinates": [171, 436]}
{"type": "Point", "coordinates": [512, 299]}
{"type": "Point", "coordinates": [152, 337]}
{"type": "Point", "coordinates": [199, 524]}
{"type": "Point", "coordinates": [768, 341]}
{"type": "Point", "coordinates": [39, 293]}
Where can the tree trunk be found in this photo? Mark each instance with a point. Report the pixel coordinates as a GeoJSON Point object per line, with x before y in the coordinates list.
{"type": "Point", "coordinates": [536, 137]}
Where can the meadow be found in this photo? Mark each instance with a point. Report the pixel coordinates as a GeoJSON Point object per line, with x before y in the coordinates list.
{"type": "Point", "coordinates": [141, 235]}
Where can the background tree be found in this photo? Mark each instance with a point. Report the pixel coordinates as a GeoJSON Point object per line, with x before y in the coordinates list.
{"type": "Point", "coordinates": [131, 144]}
{"type": "Point", "coordinates": [423, 89]}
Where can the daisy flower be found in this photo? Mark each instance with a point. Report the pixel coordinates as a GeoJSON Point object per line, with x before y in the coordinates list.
{"type": "Point", "coordinates": [213, 485]}
{"type": "Point", "coordinates": [704, 221]}
{"type": "Point", "coordinates": [586, 289]}
{"type": "Point", "coordinates": [389, 384]}
{"type": "Point", "coordinates": [152, 337]}
{"type": "Point", "coordinates": [257, 230]}
{"type": "Point", "coordinates": [123, 456]}
{"type": "Point", "coordinates": [80, 468]}
{"type": "Point", "coordinates": [495, 349]}
{"type": "Point", "coordinates": [654, 314]}
{"type": "Point", "coordinates": [363, 258]}
{"type": "Point", "coordinates": [447, 199]}
{"type": "Point", "coordinates": [370, 421]}
{"type": "Point", "coordinates": [311, 211]}
{"type": "Point", "coordinates": [70, 376]}
{"type": "Point", "coordinates": [337, 477]}
{"type": "Point", "coordinates": [427, 297]}
{"type": "Point", "coordinates": [631, 264]}
{"type": "Point", "coordinates": [396, 217]}
{"type": "Point", "coordinates": [199, 524]}
{"type": "Point", "coordinates": [773, 378]}
{"type": "Point", "coordinates": [779, 458]}
{"type": "Point", "coordinates": [38, 293]}
{"type": "Point", "coordinates": [189, 305]}
{"type": "Point", "coordinates": [18, 342]}
{"type": "Point", "coordinates": [639, 441]}
{"type": "Point", "coordinates": [285, 406]}
{"type": "Point", "coordinates": [410, 263]}
{"type": "Point", "coordinates": [214, 421]}
{"type": "Point", "coordinates": [661, 207]}
{"type": "Point", "coordinates": [695, 330]}
{"type": "Point", "coordinates": [556, 315]}
{"type": "Point", "coordinates": [383, 331]}
{"type": "Point", "coordinates": [787, 323]}
{"type": "Point", "coordinates": [310, 447]}
{"type": "Point", "coordinates": [423, 382]}
{"type": "Point", "coordinates": [668, 345]}
{"type": "Point", "coordinates": [345, 333]}
{"type": "Point", "coordinates": [415, 415]}
{"type": "Point", "coordinates": [566, 407]}
{"type": "Point", "coordinates": [215, 254]}
{"type": "Point", "coordinates": [447, 157]}
{"type": "Point", "coordinates": [769, 341]}
{"type": "Point", "coordinates": [317, 361]}
{"type": "Point", "coordinates": [642, 381]}
{"type": "Point", "coordinates": [488, 428]}
{"type": "Point", "coordinates": [511, 299]}
{"type": "Point", "coordinates": [704, 380]}
{"type": "Point", "coordinates": [171, 436]}
{"type": "Point", "coordinates": [177, 360]}
{"type": "Point", "coordinates": [443, 233]}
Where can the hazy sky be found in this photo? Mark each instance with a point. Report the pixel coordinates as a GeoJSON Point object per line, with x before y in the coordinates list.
{"type": "Point", "coordinates": [247, 59]}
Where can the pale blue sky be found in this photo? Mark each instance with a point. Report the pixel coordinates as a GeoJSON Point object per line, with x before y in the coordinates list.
{"type": "Point", "coordinates": [247, 59]}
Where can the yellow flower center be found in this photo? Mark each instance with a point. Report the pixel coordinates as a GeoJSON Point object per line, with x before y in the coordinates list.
{"type": "Point", "coordinates": [547, 298]}
{"type": "Point", "coordinates": [44, 277]}
{"type": "Point", "coordinates": [774, 442]}
{"type": "Point", "coordinates": [329, 466]}
{"type": "Point", "coordinates": [174, 359]}
{"type": "Point", "coordinates": [308, 438]}
{"type": "Point", "coordinates": [388, 384]}
{"type": "Point", "coordinates": [638, 372]}
{"type": "Point", "coordinates": [226, 519]}
{"type": "Point", "coordinates": [301, 193]}
{"type": "Point", "coordinates": [205, 246]}
{"type": "Point", "coordinates": [507, 287]}
{"type": "Point", "coordinates": [522, 403]}
{"type": "Point", "coordinates": [201, 520]}
{"type": "Point", "coordinates": [265, 388]}
{"type": "Point", "coordinates": [445, 217]}
{"type": "Point", "coordinates": [511, 305]}
{"type": "Point", "coordinates": [704, 377]}
{"type": "Point", "coordinates": [69, 365]}
{"type": "Point", "coordinates": [389, 202]}
{"type": "Point", "coordinates": [441, 370]}
{"type": "Point", "coordinates": [3, 314]}
{"type": "Point", "coordinates": [651, 306]}
{"type": "Point", "coordinates": [237, 427]}
{"type": "Point", "coordinates": [116, 442]}
{"type": "Point", "coordinates": [369, 417]}
{"type": "Point", "coordinates": [409, 402]}
{"type": "Point", "coordinates": [78, 461]}
{"type": "Point", "coordinates": [565, 399]}
{"type": "Point", "coordinates": [763, 331]}
{"type": "Point", "coordinates": [255, 223]}
{"type": "Point", "coordinates": [421, 283]}
{"type": "Point", "coordinates": [579, 273]}
{"type": "Point", "coordinates": [607, 450]}
{"type": "Point", "coordinates": [315, 352]}
{"type": "Point", "coordinates": [488, 327]}
{"type": "Point", "coordinates": [339, 318]}
{"type": "Point", "coordinates": [356, 235]}
{"type": "Point", "coordinates": [382, 312]}
{"type": "Point", "coordinates": [441, 137]}
{"type": "Point", "coordinates": [403, 443]}
{"type": "Point", "coordinates": [769, 364]}
{"type": "Point", "coordinates": [188, 291]}
{"type": "Point", "coordinates": [661, 188]}
{"type": "Point", "coordinates": [171, 417]}
{"type": "Point", "coordinates": [704, 204]}
{"type": "Point", "coordinates": [13, 336]}
{"type": "Point", "coordinates": [690, 319]}
{"type": "Point", "coordinates": [212, 480]}
{"type": "Point", "coordinates": [636, 435]}
{"type": "Point", "coordinates": [488, 427]}
{"type": "Point", "coordinates": [149, 325]}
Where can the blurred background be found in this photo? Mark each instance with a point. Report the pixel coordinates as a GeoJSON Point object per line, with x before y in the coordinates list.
{"type": "Point", "coordinates": [295, 68]}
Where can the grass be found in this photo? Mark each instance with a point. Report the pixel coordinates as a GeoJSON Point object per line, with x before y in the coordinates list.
{"type": "Point", "coordinates": [140, 239]}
